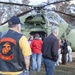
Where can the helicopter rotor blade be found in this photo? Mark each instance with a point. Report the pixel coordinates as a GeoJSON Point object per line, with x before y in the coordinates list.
{"type": "Point", "coordinates": [32, 5]}
{"type": "Point", "coordinates": [15, 4]}
{"type": "Point", "coordinates": [65, 13]}
{"type": "Point", "coordinates": [34, 8]}
{"type": "Point", "coordinates": [24, 13]}
{"type": "Point", "coordinates": [18, 16]}
{"type": "Point", "coordinates": [56, 2]}
{"type": "Point", "coordinates": [58, 11]}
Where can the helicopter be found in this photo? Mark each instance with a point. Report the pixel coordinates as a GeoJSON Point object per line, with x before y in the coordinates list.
{"type": "Point", "coordinates": [39, 20]}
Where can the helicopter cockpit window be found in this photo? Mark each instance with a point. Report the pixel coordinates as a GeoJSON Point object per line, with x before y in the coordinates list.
{"type": "Point", "coordinates": [38, 18]}
{"type": "Point", "coordinates": [30, 17]}
{"type": "Point", "coordinates": [52, 21]}
{"type": "Point", "coordinates": [53, 24]}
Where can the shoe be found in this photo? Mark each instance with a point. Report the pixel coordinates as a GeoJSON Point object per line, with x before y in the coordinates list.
{"type": "Point", "coordinates": [26, 72]}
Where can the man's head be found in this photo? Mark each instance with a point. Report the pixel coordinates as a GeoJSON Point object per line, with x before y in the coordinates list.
{"type": "Point", "coordinates": [31, 37]}
{"type": "Point", "coordinates": [55, 30]}
{"type": "Point", "coordinates": [14, 22]}
{"type": "Point", "coordinates": [37, 36]}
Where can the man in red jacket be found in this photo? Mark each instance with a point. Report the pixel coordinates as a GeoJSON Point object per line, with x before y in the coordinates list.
{"type": "Point", "coordinates": [36, 45]}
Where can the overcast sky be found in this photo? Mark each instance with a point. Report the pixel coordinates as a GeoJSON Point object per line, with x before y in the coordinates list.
{"type": "Point", "coordinates": [34, 2]}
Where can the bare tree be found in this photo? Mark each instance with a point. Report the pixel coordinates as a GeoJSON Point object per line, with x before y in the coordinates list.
{"type": "Point", "coordinates": [6, 11]}
{"type": "Point", "coordinates": [67, 8]}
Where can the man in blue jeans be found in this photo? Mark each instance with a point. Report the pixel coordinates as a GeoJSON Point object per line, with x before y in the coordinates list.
{"type": "Point", "coordinates": [50, 50]}
{"type": "Point", "coordinates": [36, 46]}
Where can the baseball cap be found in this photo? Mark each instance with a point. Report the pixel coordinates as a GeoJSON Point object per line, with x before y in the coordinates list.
{"type": "Point", "coordinates": [14, 20]}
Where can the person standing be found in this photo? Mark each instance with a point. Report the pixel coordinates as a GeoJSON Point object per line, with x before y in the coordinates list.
{"type": "Point", "coordinates": [69, 54]}
{"type": "Point", "coordinates": [50, 50]}
{"type": "Point", "coordinates": [59, 54]}
{"type": "Point", "coordinates": [14, 50]}
{"type": "Point", "coordinates": [64, 50]}
{"type": "Point", "coordinates": [36, 45]}
{"type": "Point", "coordinates": [30, 39]}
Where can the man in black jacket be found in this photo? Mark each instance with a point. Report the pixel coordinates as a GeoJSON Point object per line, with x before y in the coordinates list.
{"type": "Point", "coordinates": [64, 50]}
{"type": "Point", "coordinates": [50, 50]}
